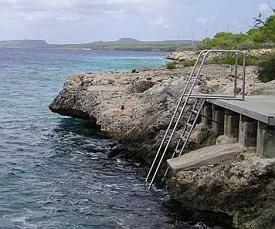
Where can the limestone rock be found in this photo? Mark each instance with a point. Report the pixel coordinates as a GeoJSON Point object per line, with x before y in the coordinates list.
{"type": "Point", "coordinates": [183, 56]}
{"type": "Point", "coordinates": [200, 133]}
{"type": "Point", "coordinates": [223, 139]}
{"type": "Point", "coordinates": [136, 108]}
{"type": "Point", "coordinates": [133, 108]}
{"type": "Point", "coordinates": [243, 188]}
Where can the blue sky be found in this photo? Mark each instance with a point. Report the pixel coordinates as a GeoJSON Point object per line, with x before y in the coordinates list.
{"type": "Point", "coordinates": [77, 21]}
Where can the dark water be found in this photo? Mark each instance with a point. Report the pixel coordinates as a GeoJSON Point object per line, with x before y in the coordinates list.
{"type": "Point", "coordinates": [54, 172]}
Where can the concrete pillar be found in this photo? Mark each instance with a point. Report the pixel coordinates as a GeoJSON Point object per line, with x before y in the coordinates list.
{"type": "Point", "coordinates": [231, 124]}
{"type": "Point", "coordinates": [206, 114]}
{"type": "Point", "coordinates": [247, 131]}
{"type": "Point", "coordinates": [217, 120]}
{"type": "Point", "coordinates": [266, 140]}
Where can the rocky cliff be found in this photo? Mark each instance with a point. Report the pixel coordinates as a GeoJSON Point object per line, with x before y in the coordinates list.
{"type": "Point", "coordinates": [135, 108]}
{"type": "Point", "coordinates": [131, 107]}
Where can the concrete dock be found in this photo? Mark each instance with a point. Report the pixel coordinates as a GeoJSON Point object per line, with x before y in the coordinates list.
{"type": "Point", "coordinates": [248, 123]}
{"type": "Point", "coordinates": [251, 122]}
{"type": "Point", "coordinates": [260, 107]}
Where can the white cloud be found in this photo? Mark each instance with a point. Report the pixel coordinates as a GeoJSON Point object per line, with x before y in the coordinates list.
{"type": "Point", "coordinates": [37, 10]}
{"type": "Point", "coordinates": [265, 9]}
{"type": "Point", "coordinates": [203, 21]}
{"type": "Point", "coordinates": [78, 4]}
{"type": "Point", "coordinates": [161, 21]}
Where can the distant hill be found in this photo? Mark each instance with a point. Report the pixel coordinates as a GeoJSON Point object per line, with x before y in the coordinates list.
{"type": "Point", "coordinates": [127, 41]}
{"type": "Point", "coordinates": [130, 44]}
{"type": "Point", "coordinates": [123, 44]}
{"type": "Point", "coordinates": [24, 44]}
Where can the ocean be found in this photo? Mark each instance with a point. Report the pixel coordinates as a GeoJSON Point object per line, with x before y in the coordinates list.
{"type": "Point", "coordinates": [54, 170]}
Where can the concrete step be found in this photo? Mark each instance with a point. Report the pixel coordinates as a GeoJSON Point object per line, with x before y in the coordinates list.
{"type": "Point", "coordinates": [205, 156]}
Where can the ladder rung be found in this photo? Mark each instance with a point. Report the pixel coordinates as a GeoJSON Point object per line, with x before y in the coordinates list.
{"type": "Point", "coordinates": [186, 133]}
{"type": "Point", "coordinates": [177, 152]}
{"type": "Point", "coordinates": [184, 139]}
{"type": "Point", "coordinates": [192, 78]}
{"type": "Point", "coordinates": [189, 125]}
{"type": "Point", "coordinates": [194, 111]}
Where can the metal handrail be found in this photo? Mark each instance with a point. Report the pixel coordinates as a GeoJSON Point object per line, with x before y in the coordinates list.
{"type": "Point", "coordinates": [243, 53]}
{"type": "Point", "coordinates": [179, 117]}
{"type": "Point", "coordinates": [174, 115]}
{"type": "Point", "coordinates": [189, 95]}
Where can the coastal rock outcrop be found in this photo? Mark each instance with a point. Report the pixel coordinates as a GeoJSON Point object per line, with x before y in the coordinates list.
{"type": "Point", "coordinates": [243, 188]}
{"type": "Point", "coordinates": [191, 56]}
{"type": "Point", "coordinates": [135, 108]}
{"type": "Point", "coordinates": [183, 56]}
{"type": "Point", "coordinates": [131, 107]}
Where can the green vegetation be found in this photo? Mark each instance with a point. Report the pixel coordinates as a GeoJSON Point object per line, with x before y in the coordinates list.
{"type": "Point", "coordinates": [189, 63]}
{"type": "Point", "coordinates": [267, 68]}
{"type": "Point", "coordinates": [262, 35]}
{"type": "Point", "coordinates": [230, 60]}
{"type": "Point", "coordinates": [125, 44]}
{"type": "Point", "coordinates": [171, 65]}
{"type": "Point", "coordinates": [24, 44]}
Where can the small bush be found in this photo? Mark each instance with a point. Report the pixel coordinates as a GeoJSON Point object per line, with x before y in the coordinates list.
{"type": "Point", "coordinates": [230, 60]}
{"type": "Point", "coordinates": [189, 63]}
{"type": "Point", "coordinates": [267, 68]}
{"type": "Point", "coordinates": [171, 65]}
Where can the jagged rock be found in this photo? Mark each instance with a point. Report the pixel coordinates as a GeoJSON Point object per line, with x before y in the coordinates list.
{"type": "Point", "coordinates": [133, 110]}
{"type": "Point", "coordinates": [223, 139]}
{"type": "Point", "coordinates": [200, 133]}
{"type": "Point", "coordinates": [183, 56]}
{"type": "Point", "coordinates": [187, 56]}
{"type": "Point", "coordinates": [243, 188]}
{"type": "Point", "coordinates": [140, 86]}
{"type": "Point", "coordinates": [136, 108]}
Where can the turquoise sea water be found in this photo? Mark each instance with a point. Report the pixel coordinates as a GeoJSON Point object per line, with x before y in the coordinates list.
{"type": "Point", "coordinates": [54, 172]}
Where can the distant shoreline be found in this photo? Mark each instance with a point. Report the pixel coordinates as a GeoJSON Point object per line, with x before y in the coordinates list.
{"type": "Point", "coordinates": [165, 53]}
{"type": "Point", "coordinates": [123, 44]}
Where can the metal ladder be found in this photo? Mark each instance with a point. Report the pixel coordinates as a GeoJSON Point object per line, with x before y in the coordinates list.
{"type": "Point", "coordinates": [194, 112]}
{"type": "Point", "coordinates": [181, 108]}
{"type": "Point", "coordinates": [187, 130]}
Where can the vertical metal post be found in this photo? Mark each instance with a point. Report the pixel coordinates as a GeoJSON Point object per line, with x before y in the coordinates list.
{"type": "Point", "coordinates": [180, 139]}
{"type": "Point", "coordinates": [244, 72]}
{"type": "Point", "coordinates": [163, 140]}
{"type": "Point", "coordinates": [236, 75]}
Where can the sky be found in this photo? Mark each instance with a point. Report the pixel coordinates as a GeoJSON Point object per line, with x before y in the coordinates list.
{"type": "Point", "coordinates": [79, 21]}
